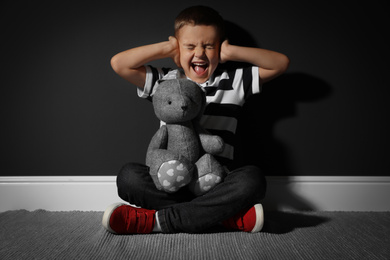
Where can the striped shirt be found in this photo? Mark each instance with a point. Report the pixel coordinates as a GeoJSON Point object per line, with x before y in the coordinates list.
{"type": "Point", "coordinates": [226, 93]}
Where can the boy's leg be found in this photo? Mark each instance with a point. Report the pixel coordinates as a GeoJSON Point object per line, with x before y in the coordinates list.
{"type": "Point", "coordinates": [240, 190]}
{"type": "Point", "coordinates": [180, 211]}
{"type": "Point", "coordinates": [136, 187]}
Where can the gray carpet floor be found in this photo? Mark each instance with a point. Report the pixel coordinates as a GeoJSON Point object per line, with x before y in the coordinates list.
{"type": "Point", "coordinates": [287, 235]}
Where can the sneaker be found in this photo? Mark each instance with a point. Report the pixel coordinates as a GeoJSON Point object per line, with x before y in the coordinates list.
{"type": "Point", "coordinates": [120, 218]}
{"type": "Point", "coordinates": [251, 220]}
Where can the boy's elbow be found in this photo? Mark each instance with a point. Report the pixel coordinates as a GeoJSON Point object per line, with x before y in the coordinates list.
{"type": "Point", "coordinates": [118, 66]}
{"type": "Point", "coordinates": [284, 63]}
{"type": "Point", "coordinates": [114, 63]}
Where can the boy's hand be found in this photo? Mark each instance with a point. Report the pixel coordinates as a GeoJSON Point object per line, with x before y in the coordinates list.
{"type": "Point", "coordinates": [175, 53]}
{"type": "Point", "coordinates": [224, 56]}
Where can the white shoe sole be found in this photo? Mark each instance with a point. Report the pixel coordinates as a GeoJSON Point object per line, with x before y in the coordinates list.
{"type": "Point", "coordinates": [259, 218]}
{"type": "Point", "coordinates": [107, 216]}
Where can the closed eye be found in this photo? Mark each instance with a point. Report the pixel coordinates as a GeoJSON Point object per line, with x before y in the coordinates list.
{"type": "Point", "coordinates": [189, 46]}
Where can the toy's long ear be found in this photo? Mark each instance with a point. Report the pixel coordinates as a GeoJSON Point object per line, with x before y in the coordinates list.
{"type": "Point", "coordinates": [155, 87]}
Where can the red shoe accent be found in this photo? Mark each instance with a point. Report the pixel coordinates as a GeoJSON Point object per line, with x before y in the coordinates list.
{"type": "Point", "coordinates": [251, 220]}
{"type": "Point", "coordinates": [124, 219]}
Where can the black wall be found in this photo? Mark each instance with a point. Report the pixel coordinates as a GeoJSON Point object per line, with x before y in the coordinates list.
{"type": "Point", "coordinates": [65, 112]}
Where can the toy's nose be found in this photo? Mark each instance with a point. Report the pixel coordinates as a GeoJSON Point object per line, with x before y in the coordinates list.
{"type": "Point", "coordinates": [184, 107]}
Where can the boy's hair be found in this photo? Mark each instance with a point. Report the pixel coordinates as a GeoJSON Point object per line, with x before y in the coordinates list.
{"type": "Point", "coordinates": [200, 15]}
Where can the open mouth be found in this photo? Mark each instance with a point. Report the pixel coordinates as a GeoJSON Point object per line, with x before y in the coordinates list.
{"type": "Point", "coordinates": [200, 67]}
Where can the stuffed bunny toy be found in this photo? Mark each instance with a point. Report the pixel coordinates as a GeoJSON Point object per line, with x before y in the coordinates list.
{"type": "Point", "coordinates": [181, 151]}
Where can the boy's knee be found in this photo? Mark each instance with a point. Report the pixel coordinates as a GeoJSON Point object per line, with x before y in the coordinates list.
{"type": "Point", "coordinates": [129, 178]}
{"type": "Point", "coordinates": [254, 181]}
{"type": "Point", "coordinates": [124, 174]}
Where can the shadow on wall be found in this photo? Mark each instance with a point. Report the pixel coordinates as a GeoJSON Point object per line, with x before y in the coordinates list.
{"type": "Point", "coordinates": [257, 143]}
{"type": "Point", "coordinates": [262, 112]}
{"type": "Point", "coordinates": [256, 131]}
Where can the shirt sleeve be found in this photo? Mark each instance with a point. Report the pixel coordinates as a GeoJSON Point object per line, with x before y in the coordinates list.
{"type": "Point", "coordinates": [152, 76]}
{"type": "Point", "coordinates": [251, 81]}
{"type": "Point", "coordinates": [256, 86]}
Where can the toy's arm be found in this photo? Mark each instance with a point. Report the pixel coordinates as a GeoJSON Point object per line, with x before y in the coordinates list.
{"type": "Point", "coordinates": [159, 141]}
{"type": "Point", "coordinates": [211, 144]}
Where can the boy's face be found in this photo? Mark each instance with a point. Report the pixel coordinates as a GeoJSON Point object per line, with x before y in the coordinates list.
{"type": "Point", "coordinates": [199, 48]}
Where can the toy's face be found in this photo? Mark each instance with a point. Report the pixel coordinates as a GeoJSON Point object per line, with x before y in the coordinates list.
{"type": "Point", "coordinates": [199, 47]}
{"type": "Point", "coordinates": [177, 103]}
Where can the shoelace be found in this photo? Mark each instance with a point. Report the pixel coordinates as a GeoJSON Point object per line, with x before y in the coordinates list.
{"type": "Point", "coordinates": [139, 221]}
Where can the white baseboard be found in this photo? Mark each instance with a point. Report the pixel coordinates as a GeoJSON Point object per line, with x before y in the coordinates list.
{"type": "Point", "coordinates": [320, 193]}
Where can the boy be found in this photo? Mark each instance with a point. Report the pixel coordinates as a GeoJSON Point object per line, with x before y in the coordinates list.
{"type": "Point", "coordinates": [197, 48]}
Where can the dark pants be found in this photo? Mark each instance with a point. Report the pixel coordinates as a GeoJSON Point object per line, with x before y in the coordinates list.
{"type": "Point", "coordinates": [182, 211]}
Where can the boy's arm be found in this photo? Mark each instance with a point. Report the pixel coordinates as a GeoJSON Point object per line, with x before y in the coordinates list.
{"type": "Point", "coordinates": [130, 64]}
{"type": "Point", "coordinates": [271, 64]}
